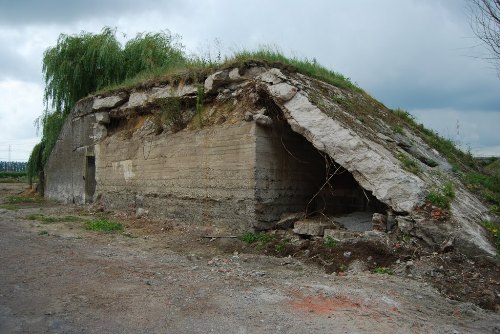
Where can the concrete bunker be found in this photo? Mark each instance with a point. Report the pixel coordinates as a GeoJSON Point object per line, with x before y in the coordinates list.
{"type": "Point", "coordinates": [271, 142]}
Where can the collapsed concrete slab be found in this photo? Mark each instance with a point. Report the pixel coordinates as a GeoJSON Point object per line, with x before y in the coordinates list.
{"type": "Point", "coordinates": [266, 142]}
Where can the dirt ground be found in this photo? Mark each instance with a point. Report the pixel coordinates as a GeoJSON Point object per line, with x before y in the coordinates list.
{"type": "Point", "coordinates": [167, 278]}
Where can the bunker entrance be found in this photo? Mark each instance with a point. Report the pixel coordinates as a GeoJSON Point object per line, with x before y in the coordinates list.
{"type": "Point", "coordinates": [90, 182]}
{"type": "Point", "coordinates": [293, 176]}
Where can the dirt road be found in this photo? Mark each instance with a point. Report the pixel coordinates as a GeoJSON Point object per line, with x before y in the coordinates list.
{"type": "Point", "coordinates": [60, 278]}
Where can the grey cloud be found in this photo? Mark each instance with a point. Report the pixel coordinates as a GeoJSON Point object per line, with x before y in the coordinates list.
{"type": "Point", "coordinates": [15, 66]}
{"type": "Point", "coordinates": [35, 12]}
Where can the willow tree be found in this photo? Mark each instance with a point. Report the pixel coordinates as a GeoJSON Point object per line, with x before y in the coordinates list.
{"type": "Point", "coordinates": [81, 64]}
{"type": "Point", "coordinates": [151, 51]}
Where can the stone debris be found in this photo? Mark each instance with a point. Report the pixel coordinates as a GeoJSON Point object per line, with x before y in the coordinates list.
{"type": "Point", "coordinates": [311, 227]}
{"type": "Point", "coordinates": [288, 219]}
{"type": "Point", "coordinates": [379, 222]}
{"type": "Point", "coordinates": [340, 235]}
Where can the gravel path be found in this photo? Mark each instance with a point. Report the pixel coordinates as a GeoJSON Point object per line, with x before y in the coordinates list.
{"type": "Point", "coordinates": [60, 278]}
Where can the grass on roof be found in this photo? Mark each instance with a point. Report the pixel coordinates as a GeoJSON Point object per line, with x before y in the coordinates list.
{"type": "Point", "coordinates": [196, 69]}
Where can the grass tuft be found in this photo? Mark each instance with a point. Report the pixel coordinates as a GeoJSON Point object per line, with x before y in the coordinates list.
{"type": "Point", "coordinates": [383, 270]}
{"type": "Point", "coordinates": [103, 225]}
{"type": "Point", "coordinates": [330, 242]}
{"type": "Point", "coordinates": [260, 237]}
{"type": "Point", "coordinates": [443, 197]}
{"type": "Point", "coordinates": [409, 164]}
{"type": "Point", "coordinates": [494, 230]}
{"type": "Point", "coordinates": [49, 219]}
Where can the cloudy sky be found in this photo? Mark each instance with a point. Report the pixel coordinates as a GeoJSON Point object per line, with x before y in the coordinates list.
{"type": "Point", "coordinates": [419, 55]}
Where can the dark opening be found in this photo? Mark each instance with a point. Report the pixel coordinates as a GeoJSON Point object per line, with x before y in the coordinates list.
{"type": "Point", "coordinates": [293, 176]}
{"type": "Point", "coordinates": [90, 182]}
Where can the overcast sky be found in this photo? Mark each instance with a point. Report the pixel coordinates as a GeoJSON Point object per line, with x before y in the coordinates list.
{"type": "Point", "coordinates": [419, 55]}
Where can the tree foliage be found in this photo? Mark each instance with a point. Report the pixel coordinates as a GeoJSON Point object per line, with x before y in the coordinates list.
{"type": "Point", "coordinates": [150, 51]}
{"type": "Point", "coordinates": [78, 65]}
{"type": "Point", "coordinates": [81, 64]}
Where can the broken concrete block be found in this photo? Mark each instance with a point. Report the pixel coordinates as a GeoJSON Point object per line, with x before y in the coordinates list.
{"type": "Point", "coordinates": [263, 120]}
{"type": "Point", "coordinates": [102, 117]}
{"type": "Point", "coordinates": [283, 91]}
{"type": "Point", "coordinates": [109, 102]}
{"type": "Point", "coordinates": [379, 222]}
{"type": "Point", "coordinates": [288, 219]}
{"type": "Point", "coordinates": [248, 116]}
{"type": "Point", "coordinates": [340, 234]}
{"type": "Point", "coordinates": [310, 227]}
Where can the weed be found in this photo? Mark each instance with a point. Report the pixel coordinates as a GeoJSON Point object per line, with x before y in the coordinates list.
{"type": "Point", "coordinates": [43, 232]}
{"type": "Point", "coordinates": [171, 113]}
{"type": "Point", "coordinates": [49, 219]}
{"type": "Point", "coordinates": [342, 267]}
{"type": "Point", "coordinates": [330, 242]}
{"type": "Point", "coordinates": [10, 207]}
{"type": "Point", "coordinates": [443, 197]}
{"type": "Point", "coordinates": [260, 237]}
{"type": "Point", "coordinates": [409, 164]}
{"type": "Point", "coordinates": [449, 190]}
{"type": "Point", "coordinates": [103, 225]}
{"type": "Point", "coordinates": [439, 200]}
{"type": "Point", "coordinates": [22, 199]}
{"type": "Point", "coordinates": [494, 230]}
{"type": "Point", "coordinates": [383, 270]}
{"type": "Point", "coordinates": [398, 129]}
{"type": "Point", "coordinates": [279, 248]}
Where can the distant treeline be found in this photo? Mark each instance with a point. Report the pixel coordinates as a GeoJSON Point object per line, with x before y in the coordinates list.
{"type": "Point", "coordinates": [13, 166]}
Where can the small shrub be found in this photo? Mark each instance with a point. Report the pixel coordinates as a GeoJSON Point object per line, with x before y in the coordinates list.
{"type": "Point", "coordinates": [330, 242]}
{"type": "Point", "coordinates": [103, 225]}
{"type": "Point", "coordinates": [171, 113]}
{"type": "Point", "coordinates": [409, 164]}
{"type": "Point", "coordinates": [383, 270]}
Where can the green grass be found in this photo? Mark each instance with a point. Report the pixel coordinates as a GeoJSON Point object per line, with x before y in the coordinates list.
{"type": "Point", "coordinates": [398, 129]}
{"type": "Point", "coordinates": [280, 247]}
{"type": "Point", "coordinates": [443, 197]}
{"type": "Point", "coordinates": [195, 69]}
{"type": "Point", "coordinates": [50, 219]}
{"type": "Point", "coordinates": [471, 172]}
{"type": "Point", "coordinates": [10, 207]}
{"type": "Point", "coordinates": [305, 66]}
{"type": "Point", "coordinates": [494, 230]}
{"type": "Point", "coordinates": [103, 225]}
{"type": "Point", "coordinates": [260, 237]}
{"type": "Point", "coordinates": [409, 164]}
{"type": "Point", "coordinates": [23, 199]}
{"type": "Point", "coordinates": [383, 270]}
{"type": "Point", "coordinates": [330, 242]}
{"type": "Point", "coordinates": [12, 177]}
